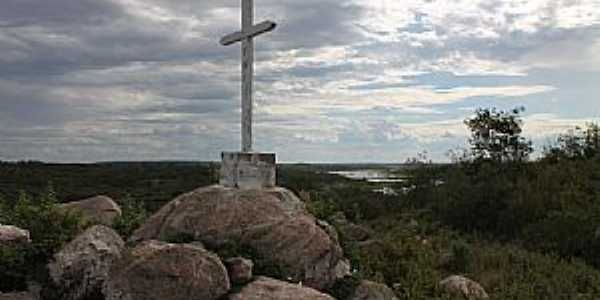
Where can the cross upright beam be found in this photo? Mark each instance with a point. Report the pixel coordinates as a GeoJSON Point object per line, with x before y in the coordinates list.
{"type": "Point", "coordinates": [247, 75]}
{"type": "Point", "coordinates": [248, 169]}
{"type": "Point", "coordinates": [246, 36]}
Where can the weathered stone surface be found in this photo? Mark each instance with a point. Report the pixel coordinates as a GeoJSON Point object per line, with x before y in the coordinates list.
{"type": "Point", "coordinates": [81, 267]}
{"type": "Point", "coordinates": [465, 287]}
{"type": "Point", "coordinates": [330, 230]}
{"type": "Point", "coordinates": [368, 290]}
{"type": "Point", "coordinates": [342, 269]}
{"type": "Point", "coordinates": [158, 270]}
{"type": "Point", "coordinates": [264, 288]}
{"type": "Point", "coordinates": [272, 222]}
{"type": "Point", "coordinates": [17, 296]}
{"type": "Point", "coordinates": [100, 209]}
{"type": "Point", "coordinates": [239, 269]}
{"type": "Point", "coordinates": [248, 170]}
{"type": "Point", "coordinates": [13, 234]}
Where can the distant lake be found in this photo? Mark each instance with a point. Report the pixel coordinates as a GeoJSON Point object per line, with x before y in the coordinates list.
{"type": "Point", "coordinates": [370, 175]}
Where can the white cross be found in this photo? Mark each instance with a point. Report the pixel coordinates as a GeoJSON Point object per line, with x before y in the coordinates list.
{"type": "Point", "coordinates": [246, 36]}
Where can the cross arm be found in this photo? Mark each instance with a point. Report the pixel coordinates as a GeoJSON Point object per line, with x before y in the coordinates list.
{"type": "Point", "coordinates": [255, 30]}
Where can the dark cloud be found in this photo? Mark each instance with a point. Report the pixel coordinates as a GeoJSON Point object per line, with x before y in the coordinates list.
{"type": "Point", "coordinates": [59, 13]}
{"type": "Point", "coordinates": [85, 80]}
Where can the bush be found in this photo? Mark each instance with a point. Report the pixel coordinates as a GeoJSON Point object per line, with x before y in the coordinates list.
{"type": "Point", "coordinates": [133, 216]}
{"type": "Point", "coordinates": [50, 230]}
{"type": "Point", "coordinates": [550, 205]}
{"type": "Point", "coordinates": [13, 267]}
{"type": "Point", "coordinates": [460, 257]}
{"type": "Point", "coordinates": [345, 287]}
{"type": "Point", "coordinates": [576, 144]}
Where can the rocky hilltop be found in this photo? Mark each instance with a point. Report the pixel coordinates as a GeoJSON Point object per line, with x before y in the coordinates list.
{"type": "Point", "coordinates": [213, 243]}
{"type": "Point", "coordinates": [271, 225]}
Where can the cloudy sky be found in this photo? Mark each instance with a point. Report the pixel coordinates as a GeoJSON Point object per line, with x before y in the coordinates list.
{"type": "Point", "coordinates": [338, 81]}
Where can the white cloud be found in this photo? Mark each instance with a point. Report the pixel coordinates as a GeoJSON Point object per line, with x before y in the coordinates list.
{"type": "Point", "coordinates": [413, 99]}
{"type": "Point", "coordinates": [544, 126]}
{"type": "Point", "coordinates": [339, 80]}
{"type": "Point", "coordinates": [569, 54]}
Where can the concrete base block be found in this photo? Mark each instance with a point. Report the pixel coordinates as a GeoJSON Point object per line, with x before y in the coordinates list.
{"type": "Point", "coordinates": [248, 170]}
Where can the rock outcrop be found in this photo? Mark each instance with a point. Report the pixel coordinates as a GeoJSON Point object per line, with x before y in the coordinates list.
{"type": "Point", "coordinates": [465, 287]}
{"type": "Point", "coordinates": [239, 269]}
{"type": "Point", "coordinates": [17, 296]}
{"type": "Point", "coordinates": [264, 288]}
{"type": "Point", "coordinates": [368, 290]}
{"type": "Point", "coordinates": [100, 209]}
{"type": "Point", "coordinates": [156, 270]}
{"type": "Point", "coordinates": [80, 269]}
{"type": "Point", "coordinates": [271, 222]}
{"type": "Point", "coordinates": [13, 234]}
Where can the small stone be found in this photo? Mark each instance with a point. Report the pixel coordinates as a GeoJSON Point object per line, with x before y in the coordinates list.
{"type": "Point", "coordinates": [343, 268]}
{"type": "Point", "coordinates": [264, 288]}
{"type": "Point", "coordinates": [239, 269]}
{"type": "Point", "coordinates": [413, 224]}
{"type": "Point", "coordinates": [368, 290]}
{"type": "Point", "coordinates": [13, 234]}
{"type": "Point", "coordinates": [465, 287]}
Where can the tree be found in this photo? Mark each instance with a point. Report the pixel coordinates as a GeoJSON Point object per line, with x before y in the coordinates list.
{"type": "Point", "coordinates": [592, 140]}
{"type": "Point", "coordinates": [576, 144]}
{"type": "Point", "coordinates": [496, 135]}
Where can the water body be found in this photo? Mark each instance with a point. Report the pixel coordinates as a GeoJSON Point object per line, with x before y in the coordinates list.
{"type": "Point", "coordinates": [370, 175]}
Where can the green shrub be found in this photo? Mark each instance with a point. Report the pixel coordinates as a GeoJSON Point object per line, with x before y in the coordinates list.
{"type": "Point", "coordinates": [401, 258]}
{"type": "Point", "coordinates": [460, 257]}
{"type": "Point", "coordinates": [508, 272]}
{"type": "Point", "coordinates": [50, 230]}
{"type": "Point", "coordinates": [133, 216]}
{"type": "Point", "coordinates": [321, 207]}
{"type": "Point", "coordinates": [13, 267]}
{"type": "Point", "coordinates": [551, 205]}
{"type": "Point", "coordinates": [345, 287]}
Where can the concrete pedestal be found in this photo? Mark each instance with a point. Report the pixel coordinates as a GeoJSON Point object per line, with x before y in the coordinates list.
{"type": "Point", "coordinates": [248, 170]}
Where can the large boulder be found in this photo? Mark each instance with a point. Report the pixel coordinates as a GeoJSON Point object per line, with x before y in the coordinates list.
{"type": "Point", "coordinates": [100, 209]}
{"type": "Point", "coordinates": [80, 269]}
{"type": "Point", "coordinates": [273, 223]}
{"type": "Point", "coordinates": [156, 270]}
{"type": "Point", "coordinates": [13, 234]}
{"type": "Point", "coordinates": [264, 288]}
{"type": "Point", "coordinates": [368, 290]}
{"type": "Point", "coordinates": [464, 287]}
